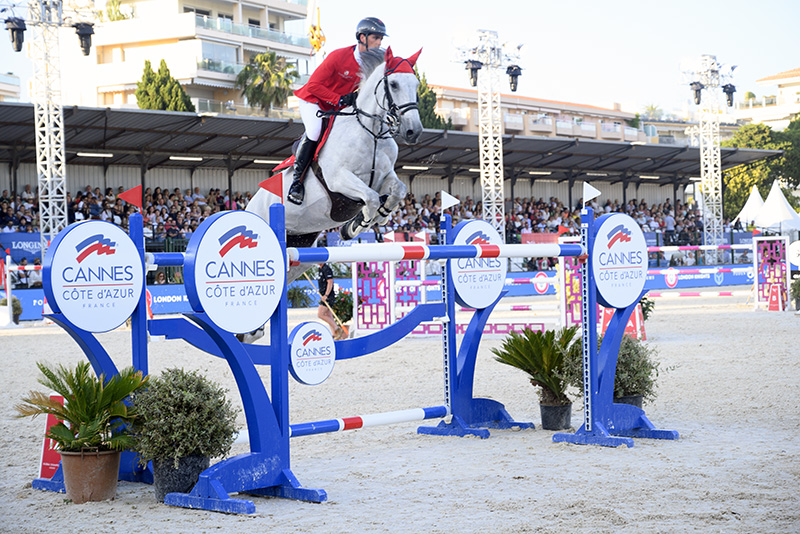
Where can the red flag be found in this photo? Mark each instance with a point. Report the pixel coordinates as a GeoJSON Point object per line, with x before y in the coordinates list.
{"type": "Point", "coordinates": [756, 232]}
{"type": "Point", "coordinates": [274, 184]}
{"type": "Point", "coordinates": [562, 229]}
{"type": "Point", "coordinates": [133, 196]}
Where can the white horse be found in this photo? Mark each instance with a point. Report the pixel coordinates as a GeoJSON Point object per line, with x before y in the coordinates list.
{"type": "Point", "coordinates": [353, 182]}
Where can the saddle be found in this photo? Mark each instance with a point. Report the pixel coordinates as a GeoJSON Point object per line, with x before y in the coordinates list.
{"type": "Point", "coordinates": [327, 125]}
{"type": "Point", "coordinates": [342, 208]}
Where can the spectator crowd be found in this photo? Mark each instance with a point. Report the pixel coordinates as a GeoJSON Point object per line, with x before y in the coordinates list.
{"type": "Point", "coordinates": [176, 214]}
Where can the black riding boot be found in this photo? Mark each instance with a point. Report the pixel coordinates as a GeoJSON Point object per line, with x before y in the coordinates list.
{"type": "Point", "coordinates": [302, 159]}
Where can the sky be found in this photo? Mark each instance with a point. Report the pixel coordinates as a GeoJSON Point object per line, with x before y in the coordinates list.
{"type": "Point", "coordinates": [580, 51]}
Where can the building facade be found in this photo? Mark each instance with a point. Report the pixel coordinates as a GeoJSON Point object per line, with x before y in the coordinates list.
{"type": "Point", "coordinates": [524, 115]}
{"type": "Point", "coordinates": [778, 109]}
{"type": "Point", "coordinates": [205, 44]}
{"type": "Point", "coordinates": [9, 88]}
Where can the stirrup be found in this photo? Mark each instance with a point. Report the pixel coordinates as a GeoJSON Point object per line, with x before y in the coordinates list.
{"type": "Point", "coordinates": [296, 193]}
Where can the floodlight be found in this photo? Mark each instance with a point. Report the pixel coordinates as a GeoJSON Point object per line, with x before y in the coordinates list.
{"type": "Point", "coordinates": [514, 72]}
{"type": "Point", "coordinates": [16, 28]}
{"type": "Point", "coordinates": [84, 31]}
{"type": "Point", "coordinates": [729, 89]}
{"type": "Point", "coordinates": [697, 87]}
{"type": "Point", "coordinates": [473, 66]}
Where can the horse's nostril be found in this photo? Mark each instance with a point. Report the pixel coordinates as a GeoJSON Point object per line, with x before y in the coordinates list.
{"type": "Point", "coordinates": [410, 134]}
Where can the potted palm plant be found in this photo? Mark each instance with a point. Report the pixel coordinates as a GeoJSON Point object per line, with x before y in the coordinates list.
{"type": "Point", "coordinates": [542, 355]}
{"type": "Point", "coordinates": [93, 429]}
{"type": "Point", "coordinates": [185, 420]}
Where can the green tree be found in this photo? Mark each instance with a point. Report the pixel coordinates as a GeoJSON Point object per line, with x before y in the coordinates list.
{"type": "Point", "coordinates": [749, 95]}
{"type": "Point", "coordinates": [652, 112]}
{"type": "Point", "coordinates": [159, 90]}
{"type": "Point", "coordinates": [267, 81]}
{"type": "Point", "coordinates": [113, 12]}
{"type": "Point", "coordinates": [740, 180]}
{"type": "Point", "coordinates": [427, 108]}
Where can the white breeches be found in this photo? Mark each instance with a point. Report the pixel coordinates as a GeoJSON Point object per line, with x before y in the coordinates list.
{"type": "Point", "coordinates": [313, 124]}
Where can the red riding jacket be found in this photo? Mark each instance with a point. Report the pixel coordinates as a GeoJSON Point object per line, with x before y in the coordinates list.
{"type": "Point", "coordinates": [337, 75]}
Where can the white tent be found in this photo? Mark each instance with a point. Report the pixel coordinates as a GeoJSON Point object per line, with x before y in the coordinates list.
{"type": "Point", "coordinates": [751, 208]}
{"type": "Point", "coordinates": [776, 214]}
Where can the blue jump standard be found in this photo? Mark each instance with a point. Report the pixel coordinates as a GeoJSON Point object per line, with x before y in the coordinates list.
{"type": "Point", "coordinates": [266, 469]}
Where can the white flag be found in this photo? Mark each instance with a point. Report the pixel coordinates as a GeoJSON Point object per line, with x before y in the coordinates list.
{"type": "Point", "coordinates": [589, 192]}
{"type": "Point", "coordinates": [448, 200]}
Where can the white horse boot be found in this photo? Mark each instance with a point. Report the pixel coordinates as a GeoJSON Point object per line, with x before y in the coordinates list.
{"type": "Point", "coordinates": [302, 159]}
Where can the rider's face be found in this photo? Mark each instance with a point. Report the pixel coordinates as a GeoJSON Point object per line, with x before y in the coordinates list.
{"type": "Point", "coordinates": [371, 41]}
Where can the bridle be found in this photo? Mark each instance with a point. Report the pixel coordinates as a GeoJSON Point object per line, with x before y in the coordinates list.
{"type": "Point", "coordinates": [391, 118]}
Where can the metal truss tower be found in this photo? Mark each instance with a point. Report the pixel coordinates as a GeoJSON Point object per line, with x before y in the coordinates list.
{"type": "Point", "coordinates": [490, 123]}
{"type": "Point", "coordinates": [485, 61]}
{"type": "Point", "coordinates": [46, 18]}
{"type": "Point", "coordinates": [710, 158]}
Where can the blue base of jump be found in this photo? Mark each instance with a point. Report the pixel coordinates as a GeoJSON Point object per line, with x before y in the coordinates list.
{"type": "Point", "coordinates": [486, 414]}
{"type": "Point", "coordinates": [607, 423]}
{"type": "Point", "coordinates": [210, 494]}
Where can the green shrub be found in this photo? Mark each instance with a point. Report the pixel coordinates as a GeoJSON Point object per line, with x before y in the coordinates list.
{"type": "Point", "coordinates": [636, 374]}
{"type": "Point", "coordinates": [182, 413]}
{"type": "Point", "coordinates": [342, 305]}
{"type": "Point", "coordinates": [16, 305]}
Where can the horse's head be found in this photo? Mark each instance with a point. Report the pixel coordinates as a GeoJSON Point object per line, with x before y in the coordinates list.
{"type": "Point", "coordinates": [400, 89]}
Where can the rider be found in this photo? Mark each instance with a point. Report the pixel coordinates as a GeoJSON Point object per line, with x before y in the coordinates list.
{"type": "Point", "coordinates": [331, 86]}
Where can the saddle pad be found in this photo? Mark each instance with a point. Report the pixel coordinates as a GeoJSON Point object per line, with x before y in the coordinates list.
{"type": "Point", "coordinates": [327, 125]}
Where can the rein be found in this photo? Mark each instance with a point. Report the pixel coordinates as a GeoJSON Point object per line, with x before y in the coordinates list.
{"type": "Point", "coordinates": [391, 117]}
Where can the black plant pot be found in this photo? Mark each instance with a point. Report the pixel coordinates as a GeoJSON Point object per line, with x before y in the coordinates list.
{"type": "Point", "coordinates": [633, 400]}
{"type": "Point", "coordinates": [15, 318]}
{"type": "Point", "coordinates": [167, 479]}
{"type": "Point", "coordinates": [556, 417]}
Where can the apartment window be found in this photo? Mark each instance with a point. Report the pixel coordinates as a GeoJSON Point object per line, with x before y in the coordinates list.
{"type": "Point", "coordinates": [254, 22]}
{"type": "Point", "coordinates": [203, 12]}
{"type": "Point", "coordinates": [219, 52]}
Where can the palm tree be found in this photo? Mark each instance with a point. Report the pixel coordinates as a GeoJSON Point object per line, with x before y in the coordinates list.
{"type": "Point", "coordinates": [267, 81]}
{"type": "Point", "coordinates": [653, 112]}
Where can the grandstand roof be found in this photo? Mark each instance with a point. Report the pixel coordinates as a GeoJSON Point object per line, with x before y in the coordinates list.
{"type": "Point", "coordinates": [143, 137]}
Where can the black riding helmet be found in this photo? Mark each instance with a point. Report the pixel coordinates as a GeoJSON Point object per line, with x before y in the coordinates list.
{"type": "Point", "coordinates": [370, 26]}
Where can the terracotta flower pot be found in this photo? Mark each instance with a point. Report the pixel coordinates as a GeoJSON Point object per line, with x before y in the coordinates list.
{"type": "Point", "coordinates": [90, 475]}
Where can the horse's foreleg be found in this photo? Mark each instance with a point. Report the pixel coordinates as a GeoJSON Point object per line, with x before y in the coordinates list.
{"type": "Point", "coordinates": [392, 192]}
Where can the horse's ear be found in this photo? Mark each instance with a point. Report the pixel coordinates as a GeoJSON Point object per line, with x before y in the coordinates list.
{"type": "Point", "coordinates": [413, 59]}
{"type": "Point", "coordinates": [389, 55]}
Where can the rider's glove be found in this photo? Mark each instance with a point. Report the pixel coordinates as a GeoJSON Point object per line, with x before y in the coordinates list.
{"type": "Point", "coordinates": [347, 100]}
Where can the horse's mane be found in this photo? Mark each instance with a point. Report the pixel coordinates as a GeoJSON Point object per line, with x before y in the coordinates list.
{"type": "Point", "coordinates": [370, 60]}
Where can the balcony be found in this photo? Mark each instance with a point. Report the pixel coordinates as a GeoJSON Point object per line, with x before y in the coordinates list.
{"type": "Point", "coordinates": [564, 128]}
{"type": "Point", "coordinates": [459, 117]}
{"type": "Point", "coordinates": [610, 131]}
{"type": "Point", "coordinates": [206, 105]}
{"type": "Point", "coordinates": [541, 124]}
{"type": "Point", "coordinates": [631, 134]}
{"type": "Point", "coordinates": [213, 65]}
{"type": "Point", "coordinates": [585, 129]}
{"type": "Point", "coordinates": [255, 32]}
{"type": "Point", "coordinates": [513, 122]}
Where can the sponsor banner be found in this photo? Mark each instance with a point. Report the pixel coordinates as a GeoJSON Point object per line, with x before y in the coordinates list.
{"type": "Point", "coordinates": [93, 274]}
{"type": "Point", "coordinates": [312, 353]}
{"type": "Point", "coordinates": [335, 240]}
{"type": "Point", "coordinates": [619, 260]}
{"type": "Point", "coordinates": [676, 279]}
{"type": "Point", "coordinates": [21, 245]}
{"type": "Point", "coordinates": [235, 271]}
{"type": "Point", "coordinates": [169, 299]}
{"type": "Point", "coordinates": [477, 281]}
{"type": "Point", "coordinates": [50, 458]}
